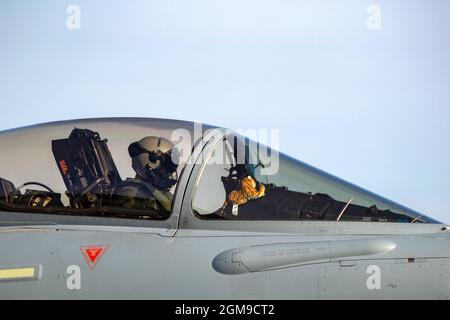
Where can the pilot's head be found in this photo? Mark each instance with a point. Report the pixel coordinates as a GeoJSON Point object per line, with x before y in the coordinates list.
{"type": "Point", "coordinates": [155, 160]}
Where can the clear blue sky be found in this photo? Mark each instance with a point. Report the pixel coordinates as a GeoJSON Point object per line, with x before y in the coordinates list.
{"type": "Point", "coordinates": [370, 106]}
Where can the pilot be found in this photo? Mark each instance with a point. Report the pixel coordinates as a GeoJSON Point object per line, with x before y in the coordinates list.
{"type": "Point", "coordinates": [155, 161]}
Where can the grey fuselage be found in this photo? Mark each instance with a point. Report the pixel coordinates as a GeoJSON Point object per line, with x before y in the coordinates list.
{"type": "Point", "coordinates": [185, 257]}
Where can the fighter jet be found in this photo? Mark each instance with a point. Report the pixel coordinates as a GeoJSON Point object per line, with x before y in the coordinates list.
{"type": "Point", "coordinates": [136, 208]}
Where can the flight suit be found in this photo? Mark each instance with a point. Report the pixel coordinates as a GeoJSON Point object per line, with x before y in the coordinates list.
{"type": "Point", "coordinates": [139, 194]}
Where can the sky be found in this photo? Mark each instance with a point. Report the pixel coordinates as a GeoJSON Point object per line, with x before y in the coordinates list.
{"type": "Point", "coordinates": [361, 94]}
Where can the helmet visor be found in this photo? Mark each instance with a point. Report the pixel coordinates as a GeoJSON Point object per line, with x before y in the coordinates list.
{"type": "Point", "coordinates": [166, 159]}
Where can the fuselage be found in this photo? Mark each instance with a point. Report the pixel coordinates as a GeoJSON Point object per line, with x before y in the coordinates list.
{"type": "Point", "coordinates": [295, 233]}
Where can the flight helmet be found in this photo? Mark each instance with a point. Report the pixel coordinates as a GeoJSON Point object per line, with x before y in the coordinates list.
{"type": "Point", "coordinates": [155, 160]}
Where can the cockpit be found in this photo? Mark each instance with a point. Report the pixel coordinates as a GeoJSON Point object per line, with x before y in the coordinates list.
{"type": "Point", "coordinates": [242, 187]}
{"type": "Point", "coordinates": [130, 168]}
{"type": "Point", "coordinates": [118, 168]}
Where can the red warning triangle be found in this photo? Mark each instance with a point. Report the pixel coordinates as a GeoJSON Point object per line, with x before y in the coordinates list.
{"type": "Point", "coordinates": [93, 254]}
